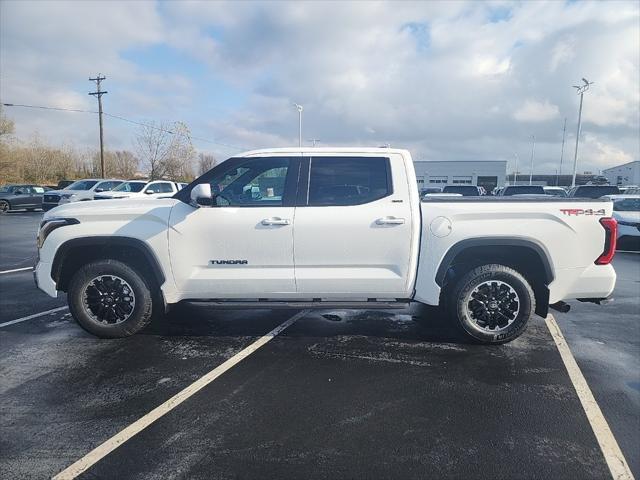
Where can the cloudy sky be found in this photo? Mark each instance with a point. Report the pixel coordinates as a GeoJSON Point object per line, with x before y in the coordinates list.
{"type": "Point", "coordinates": [448, 80]}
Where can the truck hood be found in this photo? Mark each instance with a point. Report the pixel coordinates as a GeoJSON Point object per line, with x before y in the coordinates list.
{"type": "Point", "coordinates": [65, 192]}
{"type": "Point", "coordinates": [111, 209]}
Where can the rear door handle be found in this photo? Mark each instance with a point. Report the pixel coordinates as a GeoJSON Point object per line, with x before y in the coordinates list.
{"type": "Point", "coordinates": [276, 221]}
{"type": "Point", "coordinates": [390, 221]}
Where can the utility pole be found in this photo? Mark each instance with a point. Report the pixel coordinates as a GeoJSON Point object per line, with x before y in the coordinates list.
{"type": "Point", "coordinates": [564, 132]}
{"type": "Point", "coordinates": [98, 93]}
{"type": "Point", "coordinates": [515, 171]}
{"type": "Point", "coordinates": [533, 152]}
{"type": "Point", "coordinates": [314, 141]}
{"type": "Point", "coordinates": [580, 91]}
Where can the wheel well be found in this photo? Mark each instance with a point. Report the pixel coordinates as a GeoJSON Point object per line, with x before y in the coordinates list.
{"type": "Point", "coordinates": [524, 259]}
{"type": "Point", "coordinates": [73, 255]}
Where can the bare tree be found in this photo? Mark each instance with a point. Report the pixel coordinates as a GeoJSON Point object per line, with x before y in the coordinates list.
{"type": "Point", "coordinates": [119, 163]}
{"type": "Point", "coordinates": [166, 151]}
{"type": "Point", "coordinates": [6, 124]}
{"type": "Point", "coordinates": [154, 148]}
{"type": "Point", "coordinates": [206, 162]}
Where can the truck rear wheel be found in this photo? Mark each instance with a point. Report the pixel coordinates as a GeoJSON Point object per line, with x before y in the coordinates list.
{"type": "Point", "coordinates": [492, 303]}
{"type": "Point", "coordinates": [110, 299]}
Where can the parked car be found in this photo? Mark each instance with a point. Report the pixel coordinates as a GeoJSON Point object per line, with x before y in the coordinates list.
{"type": "Point", "coordinates": [64, 184]}
{"type": "Point", "coordinates": [626, 210]}
{"type": "Point", "coordinates": [228, 240]}
{"type": "Point", "coordinates": [593, 191]}
{"type": "Point", "coordinates": [428, 190]}
{"type": "Point", "coordinates": [16, 197]}
{"type": "Point", "coordinates": [522, 190]}
{"type": "Point", "coordinates": [555, 191]}
{"type": "Point", "coordinates": [143, 188]}
{"type": "Point", "coordinates": [464, 190]}
{"type": "Point", "coordinates": [78, 191]}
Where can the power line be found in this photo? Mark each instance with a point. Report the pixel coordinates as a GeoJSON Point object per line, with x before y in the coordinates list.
{"type": "Point", "coordinates": [142, 124]}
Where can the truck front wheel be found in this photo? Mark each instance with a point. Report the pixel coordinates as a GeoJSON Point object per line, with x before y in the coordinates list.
{"type": "Point", "coordinates": [110, 299]}
{"type": "Point", "coordinates": [492, 303]}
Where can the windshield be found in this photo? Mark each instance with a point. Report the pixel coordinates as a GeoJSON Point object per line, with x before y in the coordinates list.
{"type": "Point", "coordinates": [627, 205]}
{"type": "Point", "coordinates": [593, 191]}
{"type": "Point", "coordinates": [524, 190]}
{"type": "Point", "coordinates": [81, 185]}
{"type": "Point", "coordinates": [129, 187]}
{"type": "Point", "coordinates": [467, 191]}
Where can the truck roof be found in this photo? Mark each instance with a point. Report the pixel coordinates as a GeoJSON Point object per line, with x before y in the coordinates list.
{"type": "Point", "coordinates": [290, 151]}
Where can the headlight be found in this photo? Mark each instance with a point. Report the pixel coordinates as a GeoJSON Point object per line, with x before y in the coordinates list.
{"type": "Point", "coordinates": [50, 224]}
{"type": "Point", "coordinates": [68, 195]}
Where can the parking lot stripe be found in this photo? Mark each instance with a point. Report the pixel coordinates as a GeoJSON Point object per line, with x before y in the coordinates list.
{"type": "Point", "coordinates": [114, 442]}
{"type": "Point", "coordinates": [608, 444]}
{"type": "Point", "coordinates": [35, 315]}
{"type": "Point", "coordinates": [16, 270]}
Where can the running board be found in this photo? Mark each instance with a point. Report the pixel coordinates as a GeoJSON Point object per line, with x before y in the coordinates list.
{"type": "Point", "coordinates": [316, 304]}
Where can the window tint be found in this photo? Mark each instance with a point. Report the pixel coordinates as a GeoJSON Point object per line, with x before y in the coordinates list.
{"type": "Point", "coordinates": [255, 182]}
{"type": "Point", "coordinates": [523, 190]}
{"type": "Point", "coordinates": [348, 181]}
{"type": "Point", "coordinates": [627, 205]}
{"type": "Point", "coordinates": [164, 187]}
{"type": "Point", "coordinates": [82, 185]}
{"type": "Point", "coordinates": [467, 191]}
{"type": "Point", "coordinates": [595, 191]}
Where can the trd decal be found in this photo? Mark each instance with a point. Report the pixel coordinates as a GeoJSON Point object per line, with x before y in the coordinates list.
{"type": "Point", "coordinates": [580, 211]}
{"type": "Point", "coordinates": [228, 262]}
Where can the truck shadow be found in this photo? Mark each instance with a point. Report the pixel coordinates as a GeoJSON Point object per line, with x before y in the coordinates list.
{"type": "Point", "coordinates": [417, 323]}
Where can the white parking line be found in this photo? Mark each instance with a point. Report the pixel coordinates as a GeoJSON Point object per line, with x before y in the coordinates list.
{"type": "Point", "coordinates": [16, 270]}
{"type": "Point", "coordinates": [35, 315]}
{"type": "Point", "coordinates": [610, 449]}
{"type": "Point", "coordinates": [114, 442]}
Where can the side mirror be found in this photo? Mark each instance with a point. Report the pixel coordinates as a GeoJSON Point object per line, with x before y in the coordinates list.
{"type": "Point", "coordinates": [99, 189]}
{"type": "Point", "coordinates": [149, 191]}
{"type": "Point", "coordinates": [201, 195]}
{"type": "Point", "coordinates": [18, 192]}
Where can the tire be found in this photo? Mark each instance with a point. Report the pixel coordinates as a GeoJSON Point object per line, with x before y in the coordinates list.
{"type": "Point", "coordinates": [492, 303]}
{"type": "Point", "coordinates": [130, 301]}
{"type": "Point", "coordinates": [4, 206]}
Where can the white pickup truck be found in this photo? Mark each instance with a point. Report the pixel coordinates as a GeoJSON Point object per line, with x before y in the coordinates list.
{"type": "Point", "coordinates": [326, 228]}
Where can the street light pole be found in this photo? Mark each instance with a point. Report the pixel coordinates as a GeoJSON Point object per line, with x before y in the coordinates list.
{"type": "Point", "coordinates": [564, 132]}
{"type": "Point", "coordinates": [580, 90]}
{"type": "Point", "coordinates": [533, 152]}
{"type": "Point", "coordinates": [515, 171]}
{"type": "Point", "coordinates": [299, 107]}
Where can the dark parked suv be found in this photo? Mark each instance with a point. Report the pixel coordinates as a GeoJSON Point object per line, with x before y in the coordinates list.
{"type": "Point", "coordinates": [594, 191]}
{"type": "Point", "coordinates": [464, 190]}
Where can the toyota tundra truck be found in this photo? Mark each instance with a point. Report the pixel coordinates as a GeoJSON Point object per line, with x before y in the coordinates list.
{"type": "Point", "coordinates": [326, 228]}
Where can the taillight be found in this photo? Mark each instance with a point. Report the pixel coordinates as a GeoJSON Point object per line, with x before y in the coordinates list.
{"type": "Point", "coordinates": [610, 226]}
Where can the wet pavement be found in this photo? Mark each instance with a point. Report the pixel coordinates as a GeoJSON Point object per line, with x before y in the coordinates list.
{"type": "Point", "coordinates": [338, 394]}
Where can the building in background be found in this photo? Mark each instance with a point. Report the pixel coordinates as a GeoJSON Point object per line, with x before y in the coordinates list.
{"type": "Point", "coordinates": [625, 174]}
{"type": "Point", "coordinates": [553, 180]}
{"type": "Point", "coordinates": [484, 173]}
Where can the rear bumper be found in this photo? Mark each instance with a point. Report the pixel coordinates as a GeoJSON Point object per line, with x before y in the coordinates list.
{"type": "Point", "coordinates": [594, 281]}
{"type": "Point", "coordinates": [42, 277]}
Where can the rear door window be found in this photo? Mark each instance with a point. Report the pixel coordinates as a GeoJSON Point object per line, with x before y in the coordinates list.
{"type": "Point", "coordinates": [341, 181]}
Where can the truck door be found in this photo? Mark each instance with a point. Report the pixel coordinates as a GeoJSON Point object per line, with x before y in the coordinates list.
{"type": "Point", "coordinates": [353, 228]}
{"type": "Point", "coordinates": [241, 247]}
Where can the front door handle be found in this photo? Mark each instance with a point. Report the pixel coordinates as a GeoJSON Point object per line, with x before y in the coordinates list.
{"type": "Point", "coordinates": [390, 221]}
{"type": "Point", "coordinates": [276, 221]}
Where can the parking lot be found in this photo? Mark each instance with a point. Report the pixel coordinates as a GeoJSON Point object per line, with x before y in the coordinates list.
{"type": "Point", "coordinates": [335, 394]}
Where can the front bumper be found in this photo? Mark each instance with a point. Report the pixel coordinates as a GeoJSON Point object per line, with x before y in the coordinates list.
{"type": "Point", "coordinates": [42, 277]}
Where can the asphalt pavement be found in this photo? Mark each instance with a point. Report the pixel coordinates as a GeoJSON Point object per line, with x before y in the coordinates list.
{"type": "Point", "coordinates": [338, 394]}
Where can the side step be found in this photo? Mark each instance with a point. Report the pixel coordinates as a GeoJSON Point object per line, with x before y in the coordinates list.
{"type": "Point", "coordinates": [313, 304]}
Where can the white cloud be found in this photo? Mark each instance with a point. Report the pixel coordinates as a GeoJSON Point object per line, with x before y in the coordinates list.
{"type": "Point", "coordinates": [534, 111]}
{"type": "Point", "coordinates": [446, 79]}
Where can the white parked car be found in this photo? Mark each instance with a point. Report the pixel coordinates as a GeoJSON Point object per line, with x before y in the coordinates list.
{"type": "Point", "coordinates": [626, 210]}
{"type": "Point", "coordinates": [78, 191]}
{"type": "Point", "coordinates": [326, 228]}
{"type": "Point", "coordinates": [143, 188]}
